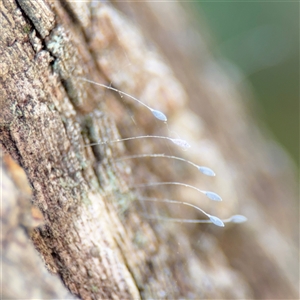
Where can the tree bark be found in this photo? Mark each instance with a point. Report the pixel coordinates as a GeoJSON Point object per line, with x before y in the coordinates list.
{"type": "Point", "coordinates": [85, 221]}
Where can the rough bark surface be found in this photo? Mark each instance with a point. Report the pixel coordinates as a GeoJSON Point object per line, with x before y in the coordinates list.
{"type": "Point", "coordinates": [90, 230]}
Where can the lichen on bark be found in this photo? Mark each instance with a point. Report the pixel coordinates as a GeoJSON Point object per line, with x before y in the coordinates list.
{"type": "Point", "coordinates": [93, 235]}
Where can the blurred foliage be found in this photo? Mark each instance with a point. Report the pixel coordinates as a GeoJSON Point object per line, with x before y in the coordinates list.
{"type": "Point", "coordinates": [262, 40]}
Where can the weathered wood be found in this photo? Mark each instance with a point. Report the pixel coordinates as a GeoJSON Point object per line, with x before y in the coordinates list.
{"type": "Point", "coordinates": [23, 272]}
{"type": "Point", "coordinates": [93, 235]}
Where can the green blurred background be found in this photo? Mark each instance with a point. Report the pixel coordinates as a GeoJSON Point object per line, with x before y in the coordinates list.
{"type": "Point", "coordinates": [262, 40]}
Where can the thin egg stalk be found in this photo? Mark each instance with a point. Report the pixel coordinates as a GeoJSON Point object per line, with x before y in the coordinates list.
{"type": "Point", "coordinates": [204, 170]}
{"type": "Point", "coordinates": [211, 195]}
{"type": "Point", "coordinates": [212, 219]}
{"type": "Point", "coordinates": [156, 113]}
{"type": "Point", "coordinates": [181, 143]}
